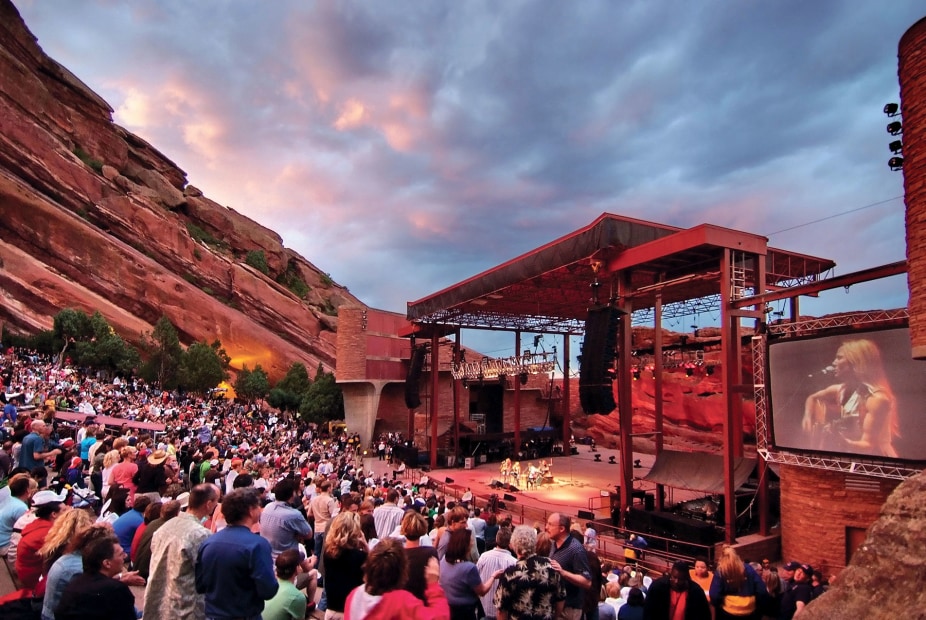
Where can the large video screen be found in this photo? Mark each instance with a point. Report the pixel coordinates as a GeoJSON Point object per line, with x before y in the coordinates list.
{"type": "Point", "coordinates": [856, 394]}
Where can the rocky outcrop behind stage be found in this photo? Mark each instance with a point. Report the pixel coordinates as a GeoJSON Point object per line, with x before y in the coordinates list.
{"type": "Point", "coordinates": [692, 392]}
{"type": "Point", "coordinates": [884, 579]}
{"type": "Point", "coordinates": [94, 217]}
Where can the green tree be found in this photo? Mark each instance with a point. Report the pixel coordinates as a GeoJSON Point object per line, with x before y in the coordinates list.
{"type": "Point", "coordinates": [164, 351]}
{"type": "Point", "coordinates": [258, 261]}
{"type": "Point", "coordinates": [70, 325]}
{"type": "Point", "coordinates": [252, 384]}
{"type": "Point", "coordinates": [202, 367]}
{"type": "Point", "coordinates": [324, 400]}
{"type": "Point", "coordinates": [94, 342]}
{"type": "Point", "coordinates": [288, 392]}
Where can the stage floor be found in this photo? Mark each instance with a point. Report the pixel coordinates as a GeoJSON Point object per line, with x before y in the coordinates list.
{"type": "Point", "coordinates": [579, 482]}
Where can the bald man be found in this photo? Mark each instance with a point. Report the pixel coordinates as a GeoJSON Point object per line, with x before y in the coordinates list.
{"type": "Point", "coordinates": [35, 447]}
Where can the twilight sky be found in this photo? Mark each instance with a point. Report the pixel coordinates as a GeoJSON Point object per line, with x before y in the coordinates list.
{"type": "Point", "coordinates": [403, 146]}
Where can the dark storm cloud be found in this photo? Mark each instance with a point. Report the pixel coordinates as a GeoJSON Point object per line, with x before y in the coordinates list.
{"type": "Point", "coordinates": [404, 146]}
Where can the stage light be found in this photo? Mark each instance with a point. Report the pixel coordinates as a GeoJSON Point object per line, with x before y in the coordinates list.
{"type": "Point", "coordinates": [637, 464]}
{"type": "Point", "coordinates": [894, 128]}
{"type": "Point", "coordinates": [689, 371]}
{"type": "Point", "coordinates": [636, 374]}
{"type": "Point", "coordinates": [598, 458]}
{"type": "Point", "coordinates": [611, 460]}
{"type": "Point", "coordinates": [895, 163]}
{"type": "Point", "coordinates": [709, 370]}
{"type": "Point", "coordinates": [896, 147]}
{"type": "Point", "coordinates": [891, 109]}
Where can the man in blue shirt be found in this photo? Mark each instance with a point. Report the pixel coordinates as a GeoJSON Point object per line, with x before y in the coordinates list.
{"type": "Point", "coordinates": [34, 447]}
{"type": "Point", "coordinates": [570, 560]}
{"type": "Point", "coordinates": [233, 566]}
{"type": "Point", "coordinates": [126, 525]}
{"type": "Point", "coordinates": [9, 412]}
{"type": "Point", "coordinates": [281, 524]}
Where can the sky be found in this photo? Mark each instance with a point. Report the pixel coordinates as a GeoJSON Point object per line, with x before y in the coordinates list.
{"type": "Point", "coordinates": [404, 146]}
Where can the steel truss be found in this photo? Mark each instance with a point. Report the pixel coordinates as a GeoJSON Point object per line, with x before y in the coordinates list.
{"type": "Point", "coordinates": [861, 466]}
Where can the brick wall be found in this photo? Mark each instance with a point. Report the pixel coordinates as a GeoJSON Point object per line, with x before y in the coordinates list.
{"type": "Point", "coordinates": [912, 73]}
{"type": "Point", "coordinates": [352, 346]}
{"type": "Point", "coordinates": [817, 506]}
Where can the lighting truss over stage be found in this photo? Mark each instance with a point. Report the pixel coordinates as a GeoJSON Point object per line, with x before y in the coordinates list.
{"type": "Point", "coordinates": [489, 368]}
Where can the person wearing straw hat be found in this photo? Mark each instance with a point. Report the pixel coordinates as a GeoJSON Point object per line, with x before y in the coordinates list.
{"type": "Point", "coordinates": [152, 477]}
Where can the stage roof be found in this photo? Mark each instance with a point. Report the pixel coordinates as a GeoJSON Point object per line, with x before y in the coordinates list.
{"type": "Point", "coordinates": [548, 290]}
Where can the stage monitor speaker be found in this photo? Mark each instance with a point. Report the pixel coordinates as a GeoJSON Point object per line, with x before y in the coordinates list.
{"type": "Point", "coordinates": [585, 515]}
{"type": "Point", "coordinates": [448, 480]}
{"type": "Point", "coordinates": [502, 506]}
{"type": "Point", "coordinates": [509, 498]}
{"type": "Point", "coordinates": [412, 398]}
{"type": "Point", "coordinates": [512, 488]}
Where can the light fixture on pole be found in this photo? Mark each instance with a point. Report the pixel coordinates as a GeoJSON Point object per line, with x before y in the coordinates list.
{"type": "Point", "coordinates": [891, 109]}
{"type": "Point", "coordinates": [895, 163]}
{"type": "Point", "coordinates": [896, 147]}
{"type": "Point", "coordinates": [894, 128]}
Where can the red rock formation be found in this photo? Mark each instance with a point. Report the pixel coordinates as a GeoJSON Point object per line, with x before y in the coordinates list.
{"type": "Point", "coordinates": [94, 217]}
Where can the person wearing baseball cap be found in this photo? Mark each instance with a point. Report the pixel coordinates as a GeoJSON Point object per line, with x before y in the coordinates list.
{"type": "Point", "coordinates": [47, 505]}
{"type": "Point", "coordinates": [799, 591]}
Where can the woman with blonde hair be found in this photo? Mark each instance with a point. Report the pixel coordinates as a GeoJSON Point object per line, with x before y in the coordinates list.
{"type": "Point", "coordinates": [343, 556]}
{"type": "Point", "coordinates": [123, 473]}
{"type": "Point", "coordinates": [110, 460]}
{"type": "Point", "coordinates": [860, 412]}
{"type": "Point", "coordinates": [62, 533]}
{"type": "Point", "coordinates": [737, 590]}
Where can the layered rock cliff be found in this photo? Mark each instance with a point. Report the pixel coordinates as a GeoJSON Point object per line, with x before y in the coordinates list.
{"type": "Point", "coordinates": [94, 217]}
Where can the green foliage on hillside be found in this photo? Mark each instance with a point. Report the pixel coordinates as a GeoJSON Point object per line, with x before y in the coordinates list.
{"type": "Point", "coordinates": [88, 159]}
{"type": "Point", "coordinates": [258, 261]}
{"type": "Point", "coordinates": [198, 234]}
{"type": "Point", "coordinates": [290, 279]}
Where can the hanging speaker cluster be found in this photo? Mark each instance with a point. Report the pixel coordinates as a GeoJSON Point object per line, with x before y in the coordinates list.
{"type": "Point", "coordinates": [596, 366]}
{"type": "Point", "coordinates": [412, 398]}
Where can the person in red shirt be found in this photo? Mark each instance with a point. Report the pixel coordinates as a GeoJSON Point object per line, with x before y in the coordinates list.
{"type": "Point", "coordinates": [29, 563]}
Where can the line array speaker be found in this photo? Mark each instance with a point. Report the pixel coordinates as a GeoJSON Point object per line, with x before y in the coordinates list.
{"type": "Point", "coordinates": [412, 399]}
{"type": "Point", "coordinates": [598, 353]}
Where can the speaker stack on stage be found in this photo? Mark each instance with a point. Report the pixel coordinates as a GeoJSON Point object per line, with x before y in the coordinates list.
{"type": "Point", "coordinates": [412, 399]}
{"type": "Point", "coordinates": [596, 366]}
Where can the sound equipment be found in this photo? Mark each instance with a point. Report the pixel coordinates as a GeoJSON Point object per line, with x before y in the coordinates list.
{"type": "Point", "coordinates": [512, 488]}
{"type": "Point", "coordinates": [649, 502]}
{"type": "Point", "coordinates": [448, 480]}
{"type": "Point", "coordinates": [509, 498]}
{"type": "Point", "coordinates": [585, 515]}
{"type": "Point", "coordinates": [412, 398]}
{"type": "Point", "coordinates": [597, 360]}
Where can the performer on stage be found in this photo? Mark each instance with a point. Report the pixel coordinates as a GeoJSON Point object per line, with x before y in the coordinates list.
{"type": "Point", "coordinates": [533, 475]}
{"type": "Point", "coordinates": [505, 469]}
{"type": "Point", "coordinates": [515, 471]}
{"type": "Point", "coordinates": [546, 471]}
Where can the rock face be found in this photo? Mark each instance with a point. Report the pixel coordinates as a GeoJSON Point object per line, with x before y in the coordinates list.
{"type": "Point", "coordinates": [93, 217]}
{"type": "Point", "coordinates": [885, 577]}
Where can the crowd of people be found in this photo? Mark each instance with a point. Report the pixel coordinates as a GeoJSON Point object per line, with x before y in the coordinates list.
{"type": "Point", "coordinates": [224, 510]}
